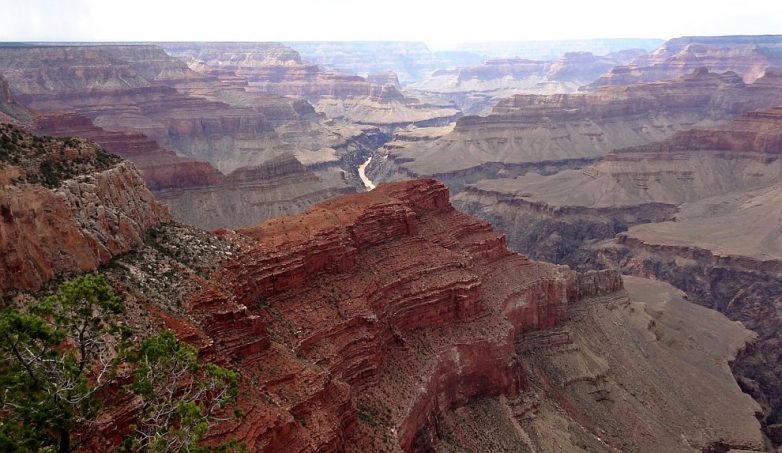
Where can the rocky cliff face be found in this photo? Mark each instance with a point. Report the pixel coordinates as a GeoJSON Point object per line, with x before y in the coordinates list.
{"type": "Point", "coordinates": [748, 56]}
{"type": "Point", "coordinates": [66, 208]}
{"type": "Point", "coordinates": [368, 339]}
{"type": "Point", "coordinates": [371, 320]}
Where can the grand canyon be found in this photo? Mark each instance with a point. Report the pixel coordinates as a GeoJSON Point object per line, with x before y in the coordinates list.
{"type": "Point", "coordinates": [519, 246]}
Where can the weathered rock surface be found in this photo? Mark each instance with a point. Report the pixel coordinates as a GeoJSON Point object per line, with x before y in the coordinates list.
{"type": "Point", "coordinates": [748, 56]}
{"type": "Point", "coordinates": [367, 321]}
{"type": "Point", "coordinates": [356, 322]}
{"type": "Point", "coordinates": [98, 211]}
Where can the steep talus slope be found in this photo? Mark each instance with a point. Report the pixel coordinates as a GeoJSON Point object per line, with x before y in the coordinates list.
{"type": "Point", "coordinates": [542, 132]}
{"type": "Point", "coordinates": [66, 207]}
{"type": "Point", "coordinates": [183, 129]}
{"type": "Point", "coordinates": [748, 56]}
{"type": "Point", "coordinates": [637, 370]}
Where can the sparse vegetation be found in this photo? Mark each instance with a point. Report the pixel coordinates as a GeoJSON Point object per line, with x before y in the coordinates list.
{"type": "Point", "coordinates": [50, 161]}
{"type": "Point", "coordinates": [59, 353]}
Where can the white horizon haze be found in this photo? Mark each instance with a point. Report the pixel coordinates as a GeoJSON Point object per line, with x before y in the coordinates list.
{"type": "Point", "coordinates": [440, 24]}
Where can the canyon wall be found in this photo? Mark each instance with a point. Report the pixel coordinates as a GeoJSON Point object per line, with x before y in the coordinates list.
{"type": "Point", "coordinates": [549, 133]}
{"type": "Point", "coordinates": [277, 69]}
{"type": "Point", "coordinates": [699, 210]}
{"type": "Point", "coordinates": [476, 89]}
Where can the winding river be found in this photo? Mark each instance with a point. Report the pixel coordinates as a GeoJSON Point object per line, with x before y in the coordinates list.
{"type": "Point", "coordinates": [363, 175]}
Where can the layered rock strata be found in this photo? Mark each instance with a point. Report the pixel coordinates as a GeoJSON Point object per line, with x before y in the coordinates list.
{"type": "Point", "coordinates": [748, 56]}
{"type": "Point", "coordinates": [188, 131]}
{"type": "Point", "coordinates": [277, 69]}
{"type": "Point", "coordinates": [529, 132]}
{"type": "Point", "coordinates": [477, 89]}
{"type": "Point", "coordinates": [363, 323]}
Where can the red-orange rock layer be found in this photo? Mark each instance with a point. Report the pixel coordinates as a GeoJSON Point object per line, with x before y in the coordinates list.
{"type": "Point", "coordinates": [389, 299]}
{"type": "Point", "coordinates": [80, 225]}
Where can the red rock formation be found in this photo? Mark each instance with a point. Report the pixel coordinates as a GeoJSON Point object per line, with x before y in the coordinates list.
{"type": "Point", "coordinates": [354, 288]}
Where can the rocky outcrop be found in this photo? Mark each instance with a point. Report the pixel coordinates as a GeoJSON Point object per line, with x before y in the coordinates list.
{"type": "Point", "coordinates": [89, 217]}
{"type": "Point", "coordinates": [748, 56]}
{"type": "Point", "coordinates": [366, 322]}
{"type": "Point", "coordinates": [441, 317]}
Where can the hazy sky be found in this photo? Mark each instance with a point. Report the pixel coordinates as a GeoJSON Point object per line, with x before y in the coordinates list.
{"type": "Point", "coordinates": [439, 23]}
